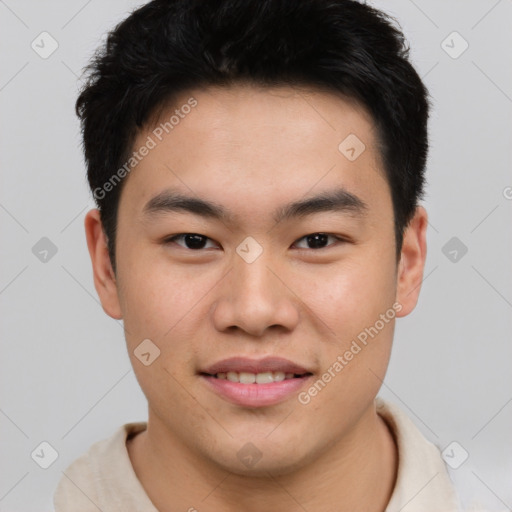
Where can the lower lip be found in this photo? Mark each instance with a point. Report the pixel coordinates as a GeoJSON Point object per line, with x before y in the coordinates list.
{"type": "Point", "coordinates": [255, 395]}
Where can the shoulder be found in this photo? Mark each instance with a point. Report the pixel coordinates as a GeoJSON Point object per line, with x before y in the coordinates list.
{"type": "Point", "coordinates": [93, 479]}
{"type": "Point", "coordinates": [423, 483]}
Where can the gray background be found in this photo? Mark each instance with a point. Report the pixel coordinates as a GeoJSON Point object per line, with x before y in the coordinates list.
{"type": "Point", "coordinates": [65, 374]}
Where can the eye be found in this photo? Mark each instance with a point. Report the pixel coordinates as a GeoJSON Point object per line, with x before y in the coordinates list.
{"type": "Point", "coordinates": [318, 240]}
{"type": "Point", "coordinates": [192, 241]}
{"type": "Point", "coordinates": [196, 242]}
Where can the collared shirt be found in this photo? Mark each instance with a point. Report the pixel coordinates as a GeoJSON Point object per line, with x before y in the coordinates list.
{"type": "Point", "coordinates": [104, 479]}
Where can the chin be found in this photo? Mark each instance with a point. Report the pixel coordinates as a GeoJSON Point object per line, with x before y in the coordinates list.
{"type": "Point", "coordinates": [261, 458]}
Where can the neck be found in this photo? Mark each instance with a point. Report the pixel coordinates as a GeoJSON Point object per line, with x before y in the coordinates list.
{"type": "Point", "coordinates": [357, 472]}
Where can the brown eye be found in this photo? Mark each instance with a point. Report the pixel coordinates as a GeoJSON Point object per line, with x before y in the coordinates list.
{"type": "Point", "coordinates": [192, 241]}
{"type": "Point", "coordinates": [318, 240]}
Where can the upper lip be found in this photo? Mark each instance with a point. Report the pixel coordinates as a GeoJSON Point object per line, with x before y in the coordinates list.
{"type": "Point", "coordinates": [244, 364]}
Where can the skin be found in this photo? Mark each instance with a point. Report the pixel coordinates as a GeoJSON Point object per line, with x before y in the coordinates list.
{"type": "Point", "coordinates": [252, 150]}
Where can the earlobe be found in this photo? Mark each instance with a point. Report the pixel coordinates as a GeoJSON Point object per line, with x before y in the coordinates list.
{"type": "Point", "coordinates": [412, 262]}
{"type": "Point", "coordinates": [104, 277]}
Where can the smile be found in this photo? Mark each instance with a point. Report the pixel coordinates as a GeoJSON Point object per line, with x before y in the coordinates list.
{"type": "Point", "coordinates": [255, 378]}
{"type": "Point", "coordinates": [255, 383]}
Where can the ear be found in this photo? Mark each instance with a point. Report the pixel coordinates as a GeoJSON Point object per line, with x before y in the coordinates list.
{"type": "Point", "coordinates": [412, 262]}
{"type": "Point", "coordinates": [104, 277]}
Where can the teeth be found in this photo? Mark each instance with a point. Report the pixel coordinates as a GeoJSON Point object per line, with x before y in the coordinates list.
{"type": "Point", "coordinates": [247, 378]}
{"type": "Point", "coordinates": [263, 378]}
{"type": "Point", "coordinates": [258, 378]}
{"type": "Point", "coordinates": [232, 376]}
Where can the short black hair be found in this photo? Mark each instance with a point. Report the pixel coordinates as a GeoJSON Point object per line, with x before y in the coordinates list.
{"type": "Point", "coordinates": [167, 47]}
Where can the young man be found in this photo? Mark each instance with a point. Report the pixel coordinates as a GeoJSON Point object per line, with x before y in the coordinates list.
{"type": "Point", "coordinates": [257, 167]}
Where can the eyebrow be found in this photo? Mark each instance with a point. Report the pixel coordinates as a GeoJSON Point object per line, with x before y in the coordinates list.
{"type": "Point", "coordinates": [338, 200]}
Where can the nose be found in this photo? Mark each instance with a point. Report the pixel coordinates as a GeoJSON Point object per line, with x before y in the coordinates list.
{"type": "Point", "coordinates": [254, 297]}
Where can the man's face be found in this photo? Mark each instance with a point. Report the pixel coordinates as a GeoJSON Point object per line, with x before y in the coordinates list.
{"type": "Point", "coordinates": [253, 287]}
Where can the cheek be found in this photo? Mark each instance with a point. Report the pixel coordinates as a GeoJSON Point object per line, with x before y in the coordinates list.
{"type": "Point", "coordinates": [349, 296]}
{"type": "Point", "coordinates": [356, 343]}
{"type": "Point", "coordinates": [159, 303]}
{"type": "Point", "coordinates": [350, 300]}
{"type": "Point", "coordinates": [157, 297]}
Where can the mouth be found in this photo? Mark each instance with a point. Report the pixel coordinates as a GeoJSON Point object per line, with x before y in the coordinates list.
{"type": "Point", "coordinates": [255, 383]}
{"type": "Point", "coordinates": [256, 378]}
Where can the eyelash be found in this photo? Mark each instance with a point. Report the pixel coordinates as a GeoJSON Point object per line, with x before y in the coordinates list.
{"type": "Point", "coordinates": [175, 237]}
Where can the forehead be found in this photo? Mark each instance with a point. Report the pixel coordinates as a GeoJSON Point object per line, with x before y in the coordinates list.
{"type": "Point", "coordinates": [241, 112]}
{"type": "Point", "coordinates": [258, 146]}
